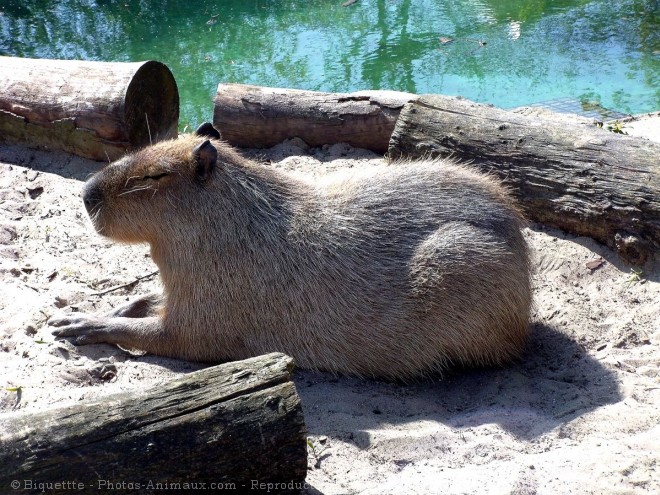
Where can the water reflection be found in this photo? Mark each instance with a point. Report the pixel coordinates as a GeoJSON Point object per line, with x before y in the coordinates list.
{"type": "Point", "coordinates": [506, 52]}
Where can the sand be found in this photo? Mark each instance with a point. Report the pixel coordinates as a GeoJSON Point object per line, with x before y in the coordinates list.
{"type": "Point", "coordinates": [578, 413]}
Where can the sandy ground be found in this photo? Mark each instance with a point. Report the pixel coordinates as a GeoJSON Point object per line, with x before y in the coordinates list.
{"type": "Point", "coordinates": [644, 125]}
{"type": "Point", "coordinates": [579, 413]}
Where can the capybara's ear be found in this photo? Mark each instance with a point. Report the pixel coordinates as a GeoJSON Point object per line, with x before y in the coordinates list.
{"type": "Point", "coordinates": [207, 130]}
{"type": "Point", "coordinates": [205, 155]}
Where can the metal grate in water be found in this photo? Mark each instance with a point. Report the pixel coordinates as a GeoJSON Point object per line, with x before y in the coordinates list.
{"type": "Point", "coordinates": [589, 109]}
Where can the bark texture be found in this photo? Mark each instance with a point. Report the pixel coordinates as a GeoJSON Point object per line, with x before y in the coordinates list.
{"type": "Point", "coordinates": [259, 117]}
{"type": "Point", "coordinates": [573, 176]}
{"type": "Point", "coordinates": [233, 424]}
{"type": "Point", "coordinates": [97, 110]}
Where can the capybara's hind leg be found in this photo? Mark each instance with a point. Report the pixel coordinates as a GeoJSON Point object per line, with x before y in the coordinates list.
{"type": "Point", "coordinates": [471, 283]}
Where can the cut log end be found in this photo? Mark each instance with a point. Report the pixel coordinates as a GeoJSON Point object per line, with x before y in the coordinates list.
{"type": "Point", "coordinates": [151, 105]}
{"type": "Point", "coordinates": [97, 110]}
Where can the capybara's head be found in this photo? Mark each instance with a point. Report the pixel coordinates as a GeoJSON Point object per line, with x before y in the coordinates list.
{"type": "Point", "coordinates": [135, 198]}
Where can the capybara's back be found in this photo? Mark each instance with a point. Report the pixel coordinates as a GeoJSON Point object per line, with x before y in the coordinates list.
{"type": "Point", "coordinates": [419, 266]}
{"type": "Point", "coordinates": [391, 271]}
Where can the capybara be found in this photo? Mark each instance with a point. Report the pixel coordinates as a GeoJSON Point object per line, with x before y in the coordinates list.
{"type": "Point", "coordinates": [392, 271]}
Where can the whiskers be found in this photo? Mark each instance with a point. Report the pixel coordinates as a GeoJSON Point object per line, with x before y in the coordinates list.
{"type": "Point", "coordinates": [148, 128]}
{"type": "Point", "coordinates": [144, 187]}
{"type": "Point", "coordinates": [95, 217]}
{"type": "Point", "coordinates": [168, 195]}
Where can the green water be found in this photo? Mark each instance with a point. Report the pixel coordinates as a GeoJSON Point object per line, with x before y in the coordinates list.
{"type": "Point", "coordinates": [504, 52]}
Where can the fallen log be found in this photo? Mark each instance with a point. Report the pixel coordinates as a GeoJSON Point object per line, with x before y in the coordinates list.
{"type": "Point", "coordinates": [259, 117]}
{"type": "Point", "coordinates": [97, 110]}
{"type": "Point", "coordinates": [577, 177]}
{"type": "Point", "coordinates": [237, 426]}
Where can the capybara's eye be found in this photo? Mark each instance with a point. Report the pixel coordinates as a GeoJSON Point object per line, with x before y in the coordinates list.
{"type": "Point", "coordinates": [155, 176]}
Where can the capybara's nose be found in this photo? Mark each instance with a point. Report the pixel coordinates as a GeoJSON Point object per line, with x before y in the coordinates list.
{"type": "Point", "coordinates": [92, 196]}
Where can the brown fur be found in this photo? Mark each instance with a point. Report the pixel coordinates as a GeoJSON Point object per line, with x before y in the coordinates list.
{"type": "Point", "coordinates": [390, 271]}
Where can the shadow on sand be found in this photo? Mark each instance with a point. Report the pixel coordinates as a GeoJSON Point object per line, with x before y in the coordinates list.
{"type": "Point", "coordinates": [52, 162]}
{"type": "Point", "coordinates": [555, 382]}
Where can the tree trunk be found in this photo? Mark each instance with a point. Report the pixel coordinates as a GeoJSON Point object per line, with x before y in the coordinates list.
{"type": "Point", "coordinates": [577, 177]}
{"type": "Point", "coordinates": [97, 110]}
{"type": "Point", "coordinates": [234, 425]}
{"type": "Point", "coordinates": [258, 117]}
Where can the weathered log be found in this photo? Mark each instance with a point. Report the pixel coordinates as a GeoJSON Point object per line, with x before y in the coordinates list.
{"type": "Point", "coordinates": [259, 117]}
{"type": "Point", "coordinates": [573, 176]}
{"type": "Point", "coordinates": [97, 110]}
{"type": "Point", "coordinates": [239, 426]}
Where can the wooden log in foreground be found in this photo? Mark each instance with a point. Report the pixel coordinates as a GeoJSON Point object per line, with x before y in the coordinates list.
{"type": "Point", "coordinates": [579, 178]}
{"type": "Point", "coordinates": [97, 110]}
{"type": "Point", "coordinates": [259, 117]}
{"type": "Point", "coordinates": [239, 425]}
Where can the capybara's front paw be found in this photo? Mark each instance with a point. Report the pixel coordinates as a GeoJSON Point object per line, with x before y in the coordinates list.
{"type": "Point", "coordinates": [85, 329]}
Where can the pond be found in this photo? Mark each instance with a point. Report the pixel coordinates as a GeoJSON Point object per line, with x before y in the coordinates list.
{"type": "Point", "coordinates": [505, 52]}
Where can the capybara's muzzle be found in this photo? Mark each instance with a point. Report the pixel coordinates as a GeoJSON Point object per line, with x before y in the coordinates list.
{"type": "Point", "coordinates": [92, 195]}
